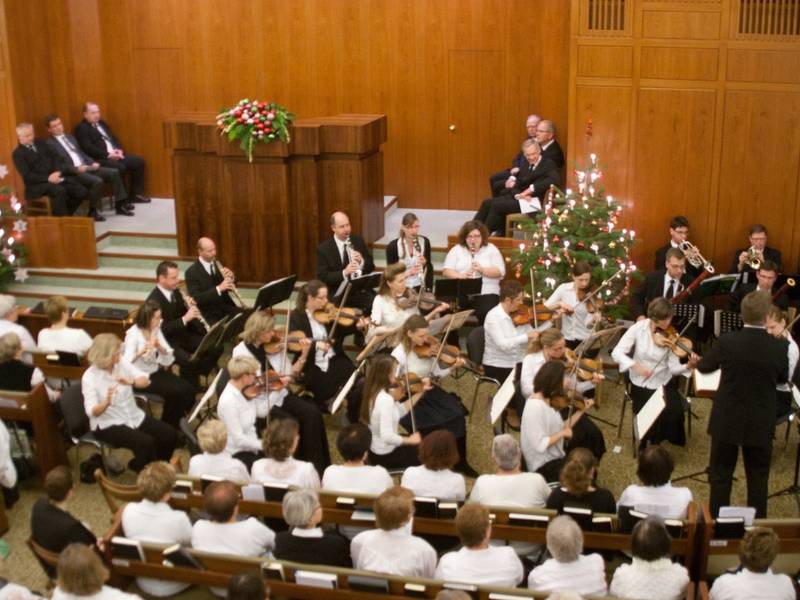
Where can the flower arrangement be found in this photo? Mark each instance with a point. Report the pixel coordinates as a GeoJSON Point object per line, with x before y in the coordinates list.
{"type": "Point", "coordinates": [13, 227]}
{"type": "Point", "coordinates": [251, 121]}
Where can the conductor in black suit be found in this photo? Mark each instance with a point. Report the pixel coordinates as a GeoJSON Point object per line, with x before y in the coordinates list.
{"type": "Point", "coordinates": [98, 141]}
{"type": "Point", "coordinates": [758, 242]}
{"type": "Point", "coordinates": [667, 282]}
{"type": "Point", "coordinates": [337, 260]}
{"type": "Point", "coordinates": [38, 167]}
{"type": "Point", "coordinates": [743, 412]}
{"type": "Point", "coordinates": [497, 181]}
{"type": "Point", "coordinates": [766, 276]}
{"type": "Point", "coordinates": [209, 287]}
{"type": "Point", "coordinates": [529, 186]}
{"type": "Point", "coordinates": [74, 162]}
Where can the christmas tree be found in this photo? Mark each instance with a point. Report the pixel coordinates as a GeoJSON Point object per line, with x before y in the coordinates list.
{"type": "Point", "coordinates": [13, 227]}
{"type": "Point", "coordinates": [574, 226]}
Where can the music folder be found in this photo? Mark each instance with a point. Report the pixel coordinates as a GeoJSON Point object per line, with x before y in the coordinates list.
{"type": "Point", "coordinates": [210, 340]}
{"type": "Point", "coordinates": [651, 410]}
{"type": "Point", "coordinates": [275, 292]}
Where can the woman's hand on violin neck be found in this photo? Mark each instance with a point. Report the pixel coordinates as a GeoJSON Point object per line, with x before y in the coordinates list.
{"type": "Point", "coordinates": [363, 323]}
{"type": "Point", "coordinates": [565, 307]}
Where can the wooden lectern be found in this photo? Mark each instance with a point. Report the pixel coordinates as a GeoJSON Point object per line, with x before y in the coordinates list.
{"type": "Point", "coordinates": [267, 217]}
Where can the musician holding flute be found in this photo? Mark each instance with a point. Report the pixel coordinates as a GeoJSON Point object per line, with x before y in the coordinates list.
{"type": "Point", "coordinates": [212, 285]}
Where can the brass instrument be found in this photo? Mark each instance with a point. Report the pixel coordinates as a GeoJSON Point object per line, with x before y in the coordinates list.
{"type": "Point", "coordinates": [790, 282]}
{"type": "Point", "coordinates": [234, 292]}
{"type": "Point", "coordinates": [190, 302]}
{"type": "Point", "coordinates": [754, 258]}
{"type": "Point", "coordinates": [693, 256]}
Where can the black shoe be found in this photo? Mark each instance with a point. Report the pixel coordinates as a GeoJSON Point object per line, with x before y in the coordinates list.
{"type": "Point", "coordinates": [96, 216]}
{"type": "Point", "coordinates": [129, 206]}
{"type": "Point", "coordinates": [124, 210]}
{"type": "Point", "coordinates": [138, 199]}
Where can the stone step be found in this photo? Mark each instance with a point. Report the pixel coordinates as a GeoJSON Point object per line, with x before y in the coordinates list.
{"type": "Point", "coordinates": [168, 244]}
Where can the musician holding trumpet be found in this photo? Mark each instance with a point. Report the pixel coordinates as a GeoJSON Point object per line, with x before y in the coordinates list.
{"type": "Point", "coordinates": [212, 285]}
{"type": "Point", "coordinates": [748, 260]}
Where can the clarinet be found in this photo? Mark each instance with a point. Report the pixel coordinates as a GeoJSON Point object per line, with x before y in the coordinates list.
{"type": "Point", "coordinates": [200, 318]}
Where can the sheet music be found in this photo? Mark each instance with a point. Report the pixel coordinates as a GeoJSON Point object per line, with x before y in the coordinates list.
{"type": "Point", "coordinates": [706, 382]}
{"type": "Point", "coordinates": [529, 206]}
{"type": "Point", "coordinates": [204, 400]}
{"type": "Point", "coordinates": [650, 412]}
{"type": "Point", "coordinates": [748, 513]}
{"type": "Point", "coordinates": [502, 397]}
{"type": "Point", "coordinates": [253, 492]}
{"type": "Point", "coordinates": [337, 403]}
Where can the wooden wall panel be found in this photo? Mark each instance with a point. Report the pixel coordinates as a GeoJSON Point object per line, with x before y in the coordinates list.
{"type": "Point", "coordinates": [684, 24]}
{"type": "Point", "coordinates": [605, 61]}
{"type": "Point", "coordinates": [679, 63]}
{"type": "Point", "coordinates": [763, 66]}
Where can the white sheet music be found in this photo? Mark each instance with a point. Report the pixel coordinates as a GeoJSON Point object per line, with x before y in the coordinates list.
{"type": "Point", "coordinates": [650, 411]}
{"type": "Point", "coordinates": [748, 513]}
{"type": "Point", "coordinates": [502, 397]}
{"type": "Point", "coordinates": [529, 205]}
{"type": "Point", "coordinates": [706, 382]}
{"type": "Point", "coordinates": [204, 400]}
{"type": "Point", "coordinates": [337, 403]}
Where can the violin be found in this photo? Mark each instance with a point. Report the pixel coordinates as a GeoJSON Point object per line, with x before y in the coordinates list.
{"type": "Point", "coordinates": [567, 398]}
{"type": "Point", "coordinates": [272, 381]}
{"type": "Point", "coordinates": [590, 299]}
{"type": "Point", "coordinates": [429, 348]}
{"type": "Point", "coordinates": [398, 389]}
{"type": "Point", "coordinates": [669, 338]}
{"type": "Point", "coordinates": [524, 314]}
{"type": "Point", "coordinates": [587, 367]}
{"type": "Point", "coordinates": [345, 317]}
{"type": "Point", "coordinates": [423, 300]}
{"type": "Point", "coordinates": [293, 342]}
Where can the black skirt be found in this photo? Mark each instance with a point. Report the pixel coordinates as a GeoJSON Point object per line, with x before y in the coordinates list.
{"type": "Point", "coordinates": [669, 425]}
{"type": "Point", "coordinates": [437, 409]}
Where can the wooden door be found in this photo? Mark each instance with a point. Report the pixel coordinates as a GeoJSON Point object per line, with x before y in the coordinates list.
{"type": "Point", "coordinates": [475, 109]}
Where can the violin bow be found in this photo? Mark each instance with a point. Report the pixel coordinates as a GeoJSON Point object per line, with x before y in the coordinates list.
{"type": "Point", "coordinates": [604, 284]}
{"type": "Point", "coordinates": [669, 350]}
{"type": "Point", "coordinates": [410, 399]}
{"type": "Point", "coordinates": [285, 338]}
{"type": "Point", "coordinates": [339, 310]}
{"type": "Point", "coordinates": [533, 300]}
{"type": "Point", "coordinates": [442, 342]}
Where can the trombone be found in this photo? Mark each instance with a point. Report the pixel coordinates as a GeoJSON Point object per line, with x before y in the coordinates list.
{"type": "Point", "coordinates": [693, 256]}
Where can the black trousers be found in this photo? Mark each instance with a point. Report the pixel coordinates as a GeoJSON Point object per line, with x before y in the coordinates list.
{"type": "Point", "coordinates": [326, 384]}
{"type": "Point", "coordinates": [131, 165]}
{"type": "Point", "coordinates": [722, 463]}
{"type": "Point", "coordinates": [93, 185]}
{"type": "Point", "coordinates": [669, 425]}
{"type": "Point", "coordinates": [401, 457]}
{"type": "Point", "coordinates": [497, 182]}
{"type": "Point", "coordinates": [152, 440]}
{"type": "Point", "coordinates": [178, 395]}
{"type": "Point", "coordinates": [499, 209]}
{"type": "Point", "coordinates": [98, 178]}
{"type": "Point", "coordinates": [64, 197]}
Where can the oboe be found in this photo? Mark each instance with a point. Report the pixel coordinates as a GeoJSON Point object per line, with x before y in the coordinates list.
{"type": "Point", "coordinates": [190, 302]}
{"type": "Point", "coordinates": [233, 289]}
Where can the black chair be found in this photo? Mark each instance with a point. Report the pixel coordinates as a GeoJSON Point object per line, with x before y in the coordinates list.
{"type": "Point", "coordinates": [76, 424]}
{"type": "Point", "coordinates": [476, 342]}
{"type": "Point", "coordinates": [190, 436]}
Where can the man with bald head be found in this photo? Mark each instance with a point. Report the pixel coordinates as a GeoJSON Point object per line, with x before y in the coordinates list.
{"type": "Point", "coordinates": [209, 287]}
{"type": "Point", "coordinates": [545, 134]}
{"type": "Point", "coordinates": [498, 181]}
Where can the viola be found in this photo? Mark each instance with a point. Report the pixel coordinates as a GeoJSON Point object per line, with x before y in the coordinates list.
{"type": "Point", "coordinates": [669, 338]}
{"type": "Point", "coordinates": [423, 300]}
{"type": "Point", "coordinates": [399, 391]}
{"type": "Point", "coordinates": [293, 342]}
{"type": "Point", "coordinates": [427, 349]}
{"type": "Point", "coordinates": [587, 367]}
{"type": "Point", "coordinates": [524, 315]}
{"type": "Point", "coordinates": [346, 317]}
{"type": "Point", "coordinates": [273, 381]}
{"type": "Point", "coordinates": [567, 398]}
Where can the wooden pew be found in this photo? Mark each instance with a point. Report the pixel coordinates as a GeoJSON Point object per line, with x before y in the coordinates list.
{"type": "Point", "coordinates": [36, 322]}
{"type": "Point", "coordinates": [56, 370]}
{"type": "Point", "coordinates": [36, 408]}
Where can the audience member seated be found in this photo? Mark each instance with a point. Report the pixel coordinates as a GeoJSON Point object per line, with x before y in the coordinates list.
{"type": "Point", "coordinates": [391, 548]}
{"type": "Point", "coordinates": [497, 181]}
{"type": "Point", "coordinates": [237, 410]}
{"type": "Point", "coordinates": [247, 586]}
{"type": "Point", "coordinates": [577, 485]}
{"type": "Point", "coordinates": [212, 438]}
{"type": "Point", "coordinates": [114, 416]}
{"type": "Point", "coordinates": [280, 443]}
{"type": "Point", "coordinates": [569, 570]}
{"type": "Point", "coordinates": [656, 494]}
{"type": "Point", "coordinates": [546, 136]}
{"type": "Point", "coordinates": [52, 526]}
{"type": "Point", "coordinates": [8, 472]}
{"type": "Point", "coordinates": [81, 574]}
{"type": "Point", "coordinates": [651, 575]}
{"type": "Point", "coordinates": [59, 336]}
{"type": "Point", "coordinates": [477, 562]}
{"type": "Point", "coordinates": [16, 375]}
{"type": "Point", "coordinates": [306, 542]}
{"type": "Point", "coordinates": [152, 520]}
{"type": "Point", "coordinates": [9, 313]}
{"type": "Point", "coordinates": [434, 478]}
{"type": "Point", "coordinates": [757, 551]}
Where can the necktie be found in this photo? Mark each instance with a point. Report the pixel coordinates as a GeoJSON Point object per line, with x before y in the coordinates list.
{"type": "Point", "coordinates": [213, 270]}
{"type": "Point", "coordinates": [175, 298]}
{"type": "Point", "coordinates": [671, 289]}
{"type": "Point", "coordinates": [32, 147]}
{"type": "Point", "coordinates": [65, 139]}
{"type": "Point", "coordinates": [345, 258]}
{"type": "Point", "coordinates": [530, 168]}
{"type": "Point", "coordinates": [104, 136]}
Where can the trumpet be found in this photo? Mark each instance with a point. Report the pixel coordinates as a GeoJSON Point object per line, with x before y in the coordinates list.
{"type": "Point", "coordinates": [693, 256]}
{"type": "Point", "coordinates": [190, 302]}
{"type": "Point", "coordinates": [754, 258]}
{"type": "Point", "coordinates": [234, 292]}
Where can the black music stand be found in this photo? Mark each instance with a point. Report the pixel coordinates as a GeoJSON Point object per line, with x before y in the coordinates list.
{"type": "Point", "coordinates": [458, 291]}
{"type": "Point", "coordinates": [275, 292]}
{"type": "Point", "coordinates": [234, 326]}
{"type": "Point", "coordinates": [211, 339]}
{"type": "Point", "coordinates": [362, 284]}
{"type": "Point", "coordinates": [794, 488]}
{"type": "Point", "coordinates": [718, 285]}
{"type": "Point", "coordinates": [726, 321]}
{"type": "Point", "coordinates": [696, 312]}
{"type": "Point", "coordinates": [596, 341]}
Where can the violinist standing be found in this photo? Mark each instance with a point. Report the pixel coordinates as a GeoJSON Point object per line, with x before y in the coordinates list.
{"type": "Point", "coordinates": [414, 250]}
{"type": "Point", "coordinates": [578, 314]}
{"type": "Point", "coordinates": [275, 399]}
{"type": "Point", "coordinates": [655, 365]}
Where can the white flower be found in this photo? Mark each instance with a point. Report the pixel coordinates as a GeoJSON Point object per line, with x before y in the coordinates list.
{"type": "Point", "coordinates": [3, 171]}
{"type": "Point", "coordinates": [21, 275]}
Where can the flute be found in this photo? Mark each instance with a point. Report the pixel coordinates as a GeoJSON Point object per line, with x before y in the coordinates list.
{"type": "Point", "coordinates": [233, 290]}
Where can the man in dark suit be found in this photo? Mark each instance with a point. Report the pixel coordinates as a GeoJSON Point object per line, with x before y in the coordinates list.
{"type": "Point", "coordinates": [678, 233]}
{"type": "Point", "coordinates": [758, 242]}
{"type": "Point", "coordinates": [209, 287]}
{"type": "Point", "coordinates": [546, 136]}
{"type": "Point", "coordinates": [37, 166]}
{"type": "Point", "coordinates": [743, 412]}
{"type": "Point", "coordinates": [99, 142]}
{"type": "Point", "coordinates": [667, 282]}
{"type": "Point", "coordinates": [525, 192]}
{"type": "Point", "coordinates": [497, 181]}
{"type": "Point", "coordinates": [337, 260]}
{"type": "Point", "coordinates": [73, 162]}
{"type": "Point", "coordinates": [766, 276]}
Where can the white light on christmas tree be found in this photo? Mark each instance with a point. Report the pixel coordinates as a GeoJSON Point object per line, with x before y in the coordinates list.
{"type": "Point", "coordinates": [522, 247]}
{"type": "Point", "coordinates": [11, 258]}
{"type": "Point", "coordinates": [566, 244]}
{"type": "Point", "coordinates": [610, 226]}
{"type": "Point", "coordinates": [594, 248]}
{"type": "Point", "coordinates": [593, 156]}
{"type": "Point", "coordinates": [610, 200]}
{"type": "Point", "coordinates": [569, 192]}
{"type": "Point", "coordinates": [632, 233]}
{"type": "Point", "coordinates": [10, 240]}
{"type": "Point", "coordinates": [572, 203]}
{"type": "Point", "coordinates": [603, 262]}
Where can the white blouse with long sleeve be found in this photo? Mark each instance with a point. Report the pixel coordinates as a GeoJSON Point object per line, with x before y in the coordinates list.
{"type": "Point", "coordinates": [505, 342]}
{"type": "Point", "coordinates": [539, 422]}
{"type": "Point", "coordinates": [384, 423]}
{"type": "Point", "coordinates": [460, 260]}
{"type": "Point", "coordinates": [575, 326]}
{"type": "Point", "coordinates": [411, 363]}
{"type": "Point", "coordinates": [647, 354]}
{"type": "Point", "coordinates": [386, 313]}
{"type": "Point", "coordinates": [153, 359]}
{"type": "Point", "coordinates": [239, 415]}
{"type": "Point", "coordinates": [266, 400]}
{"type": "Point", "coordinates": [123, 409]}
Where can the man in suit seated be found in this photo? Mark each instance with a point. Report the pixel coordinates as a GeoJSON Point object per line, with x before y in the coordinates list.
{"type": "Point", "coordinates": [664, 283]}
{"type": "Point", "coordinates": [98, 141]}
{"type": "Point", "coordinates": [678, 233]}
{"type": "Point", "coordinates": [209, 287]}
{"type": "Point", "coordinates": [37, 166]}
{"type": "Point", "coordinates": [524, 193]}
{"type": "Point", "coordinates": [73, 162]}
{"type": "Point", "coordinates": [497, 181]}
{"type": "Point", "coordinates": [546, 136]}
{"type": "Point", "coordinates": [766, 276]}
{"type": "Point", "coordinates": [758, 242]}
{"type": "Point", "coordinates": [337, 260]}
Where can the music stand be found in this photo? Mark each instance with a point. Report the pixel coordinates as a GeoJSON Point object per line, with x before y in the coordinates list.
{"type": "Point", "coordinates": [358, 284]}
{"type": "Point", "coordinates": [439, 325]}
{"type": "Point", "coordinates": [275, 292]}
{"type": "Point", "coordinates": [211, 338]}
{"type": "Point", "coordinates": [201, 404]}
{"type": "Point", "coordinates": [374, 345]}
{"type": "Point", "coordinates": [726, 321]}
{"type": "Point", "coordinates": [458, 291]}
{"type": "Point", "coordinates": [691, 311]}
{"type": "Point", "coordinates": [235, 326]}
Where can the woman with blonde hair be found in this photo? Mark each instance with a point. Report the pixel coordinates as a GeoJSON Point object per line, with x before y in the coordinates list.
{"type": "Point", "coordinates": [237, 410]}
{"type": "Point", "coordinates": [212, 437]}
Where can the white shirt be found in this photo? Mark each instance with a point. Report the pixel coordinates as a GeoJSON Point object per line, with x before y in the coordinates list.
{"type": "Point", "coordinates": [157, 523]}
{"type": "Point", "coordinates": [76, 159]}
{"type": "Point", "coordinates": [239, 415]}
{"type": "Point", "coordinates": [444, 484]}
{"type": "Point", "coordinates": [411, 363]}
{"type": "Point", "coordinates": [290, 471]}
{"type": "Point", "coordinates": [386, 313]}
{"type": "Point", "coordinates": [363, 479]}
{"type": "Point", "coordinates": [8, 472]}
{"type": "Point", "coordinates": [495, 565]}
{"type": "Point", "coordinates": [12, 591]}
{"type": "Point", "coordinates": [219, 465]}
{"type": "Point", "coordinates": [106, 593]}
{"type": "Point", "coordinates": [152, 360]}
{"type": "Point", "coordinates": [384, 423]}
{"type": "Point", "coordinates": [539, 423]}
{"type": "Point", "coordinates": [647, 354]}
{"type": "Point", "coordinates": [123, 409]}
{"type": "Point", "coordinates": [746, 585]}
{"type": "Point", "coordinates": [575, 326]}
{"type": "Point", "coordinates": [320, 333]}
{"type": "Point", "coordinates": [523, 490]}
{"type": "Point", "coordinates": [241, 538]}
{"type": "Point", "coordinates": [266, 400]}
{"type": "Point", "coordinates": [25, 338]}
{"type": "Point", "coordinates": [66, 339]}
{"type": "Point", "coordinates": [587, 575]}
{"type": "Point", "coordinates": [794, 354]}
{"type": "Point", "coordinates": [394, 552]}
{"type": "Point", "coordinates": [664, 500]}
{"type": "Point", "coordinates": [660, 579]}
{"type": "Point", "coordinates": [411, 259]}
{"type": "Point", "coordinates": [505, 342]}
{"type": "Point", "coordinates": [676, 284]}
{"type": "Point", "coordinates": [460, 260]}
{"type": "Point", "coordinates": [530, 367]}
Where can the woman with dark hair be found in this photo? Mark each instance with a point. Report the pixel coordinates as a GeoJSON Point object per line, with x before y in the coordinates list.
{"type": "Point", "coordinates": [147, 349]}
{"type": "Point", "coordinates": [328, 367]}
{"type": "Point", "coordinates": [414, 251]}
{"type": "Point", "coordinates": [656, 493]}
{"type": "Point", "coordinates": [247, 586]}
{"type": "Point", "coordinates": [434, 478]}
{"type": "Point", "coordinates": [577, 485]}
{"type": "Point", "coordinates": [578, 317]}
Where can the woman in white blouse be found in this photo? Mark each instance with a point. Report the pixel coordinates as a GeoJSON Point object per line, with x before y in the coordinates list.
{"type": "Point", "coordinates": [237, 410]}
{"type": "Point", "coordinates": [212, 437]}
{"type": "Point", "coordinates": [577, 321]}
{"type": "Point", "coordinates": [543, 429]}
{"type": "Point", "coordinates": [550, 345]}
{"type": "Point", "coordinates": [473, 257]}
{"type": "Point", "coordinates": [58, 336]}
{"type": "Point", "coordinates": [776, 325]}
{"type": "Point", "coordinates": [434, 478]}
{"type": "Point", "coordinates": [414, 251]}
{"type": "Point", "coordinates": [114, 416]}
{"type": "Point", "coordinates": [280, 466]}
{"type": "Point", "coordinates": [652, 367]}
{"type": "Point", "coordinates": [147, 349]}
{"type": "Point", "coordinates": [382, 412]}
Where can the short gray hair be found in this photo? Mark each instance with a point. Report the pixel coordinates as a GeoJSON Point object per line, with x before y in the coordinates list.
{"type": "Point", "coordinates": [506, 452]}
{"type": "Point", "coordinates": [212, 436]}
{"type": "Point", "coordinates": [564, 539]}
{"type": "Point", "coordinates": [549, 125]}
{"type": "Point", "coordinates": [7, 304]}
{"type": "Point", "coordinates": [531, 142]}
{"type": "Point", "coordinates": [23, 126]}
{"type": "Point", "coordinates": [299, 506]}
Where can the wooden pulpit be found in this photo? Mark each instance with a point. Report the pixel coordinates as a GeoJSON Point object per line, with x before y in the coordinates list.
{"type": "Point", "coordinates": [268, 216]}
